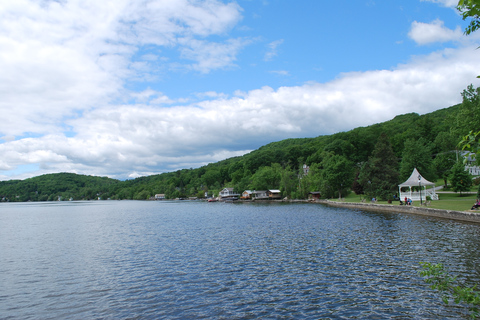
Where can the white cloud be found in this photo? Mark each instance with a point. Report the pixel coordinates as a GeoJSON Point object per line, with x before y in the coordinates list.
{"type": "Point", "coordinates": [272, 50]}
{"type": "Point", "coordinates": [126, 140]}
{"type": "Point", "coordinates": [280, 72]}
{"type": "Point", "coordinates": [210, 56]}
{"type": "Point", "coordinates": [151, 97]}
{"type": "Point", "coordinates": [64, 66]}
{"type": "Point", "coordinates": [425, 33]}
{"type": "Point", "coordinates": [59, 59]}
{"type": "Point", "coordinates": [446, 3]}
{"type": "Point", "coordinates": [211, 94]}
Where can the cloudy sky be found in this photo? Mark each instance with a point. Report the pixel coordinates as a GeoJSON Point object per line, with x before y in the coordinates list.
{"type": "Point", "coordinates": [127, 88]}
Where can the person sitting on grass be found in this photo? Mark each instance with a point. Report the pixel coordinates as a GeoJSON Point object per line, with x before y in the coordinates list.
{"type": "Point", "coordinates": [476, 205]}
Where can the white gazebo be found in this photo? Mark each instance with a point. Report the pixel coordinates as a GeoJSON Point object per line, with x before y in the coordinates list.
{"type": "Point", "coordinates": [416, 180]}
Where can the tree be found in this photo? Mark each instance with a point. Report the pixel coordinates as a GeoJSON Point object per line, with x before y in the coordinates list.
{"type": "Point", "coordinates": [470, 9]}
{"type": "Point", "coordinates": [439, 279]}
{"type": "Point", "coordinates": [289, 181]}
{"type": "Point", "coordinates": [443, 163]}
{"type": "Point", "coordinates": [267, 177]}
{"type": "Point", "coordinates": [340, 147]}
{"type": "Point", "coordinates": [417, 154]}
{"type": "Point", "coordinates": [356, 185]}
{"type": "Point", "coordinates": [379, 175]}
{"type": "Point", "coordinates": [445, 141]}
{"type": "Point", "coordinates": [468, 116]}
{"type": "Point", "coordinates": [209, 178]}
{"type": "Point", "coordinates": [336, 176]}
{"type": "Point", "coordinates": [460, 179]}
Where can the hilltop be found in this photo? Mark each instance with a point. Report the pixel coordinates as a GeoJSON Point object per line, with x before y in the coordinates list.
{"type": "Point", "coordinates": [276, 165]}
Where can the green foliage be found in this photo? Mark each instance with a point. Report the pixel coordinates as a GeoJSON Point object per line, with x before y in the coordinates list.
{"type": "Point", "coordinates": [52, 186]}
{"type": "Point", "coordinates": [379, 175]}
{"type": "Point", "coordinates": [468, 116]}
{"type": "Point", "coordinates": [275, 165]}
{"type": "Point", "coordinates": [356, 185]}
{"type": "Point", "coordinates": [460, 179]}
{"type": "Point", "coordinates": [417, 154]}
{"type": "Point", "coordinates": [340, 147]}
{"type": "Point", "coordinates": [289, 182]}
{"type": "Point", "coordinates": [439, 279]}
{"type": "Point", "coordinates": [470, 9]}
{"type": "Point", "coordinates": [470, 143]}
{"type": "Point", "coordinates": [267, 178]}
{"type": "Point", "coordinates": [443, 163]}
{"type": "Point", "coordinates": [336, 176]}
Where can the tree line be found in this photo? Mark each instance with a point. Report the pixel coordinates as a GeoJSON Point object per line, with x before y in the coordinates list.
{"type": "Point", "coordinates": [370, 160]}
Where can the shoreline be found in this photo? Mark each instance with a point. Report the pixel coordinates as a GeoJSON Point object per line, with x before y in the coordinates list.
{"type": "Point", "coordinates": [468, 216]}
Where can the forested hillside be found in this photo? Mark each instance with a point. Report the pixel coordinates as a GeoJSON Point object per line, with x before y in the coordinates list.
{"type": "Point", "coordinates": [337, 163]}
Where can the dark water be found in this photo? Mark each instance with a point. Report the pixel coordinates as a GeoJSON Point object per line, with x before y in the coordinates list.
{"type": "Point", "coordinates": [195, 260]}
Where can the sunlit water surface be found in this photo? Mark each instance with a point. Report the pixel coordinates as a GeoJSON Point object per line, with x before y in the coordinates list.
{"type": "Point", "coordinates": [197, 260]}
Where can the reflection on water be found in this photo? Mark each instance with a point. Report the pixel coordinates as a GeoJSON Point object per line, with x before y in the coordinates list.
{"type": "Point", "coordinates": [191, 260]}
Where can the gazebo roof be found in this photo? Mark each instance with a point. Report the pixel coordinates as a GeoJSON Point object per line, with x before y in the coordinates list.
{"type": "Point", "coordinates": [414, 181]}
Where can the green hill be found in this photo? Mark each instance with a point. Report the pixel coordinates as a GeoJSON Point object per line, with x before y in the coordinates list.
{"type": "Point", "coordinates": [275, 165]}
{"type": "Point", "coordinates": [56, 186]}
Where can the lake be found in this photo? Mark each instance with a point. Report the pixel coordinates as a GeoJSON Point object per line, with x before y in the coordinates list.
{"type": "Point", "coordinates": [199, 260]}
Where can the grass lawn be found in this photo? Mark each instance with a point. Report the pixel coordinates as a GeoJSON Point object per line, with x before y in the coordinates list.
{"type": "Point", "coordinates": [453, 201]}
{"type": "Point", "coordinates": [447, 201]}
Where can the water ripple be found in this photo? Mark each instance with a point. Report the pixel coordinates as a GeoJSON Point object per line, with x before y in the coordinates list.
{"type": "Point", "coordinates": [192, 260]}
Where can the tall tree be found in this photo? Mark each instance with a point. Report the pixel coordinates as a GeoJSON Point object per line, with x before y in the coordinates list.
{"type": "Point", "coordinates": [445, 141]}
{"type": "Point", "coordinates": [417, 154]}
{"type": "Point", "coordinates": [468, 121]}
{"type": "Point", "coordinates": [336, 176]}
{"type": "Point", "coordinates": [379, 175]}
{"type": "Point", "coordinates": [461, 180]}
{"type": "Point", "coordinates": [267, 177]}
{"type": "Point", "coordinates": [468, 117]}
{"type": "Point", "coordinates": [288, 182]}
{"type": "Point", "coordinates": [443, 163]}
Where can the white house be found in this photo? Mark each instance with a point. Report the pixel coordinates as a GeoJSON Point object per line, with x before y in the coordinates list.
{"type": "Point", "coordinates": [228, 193]}
{"type": "Point", "coordinates": [255, 194]}
{"type": "Point", "coordinates": [470, 163]}
{"type": "Point", "coordinates": [306, 169]}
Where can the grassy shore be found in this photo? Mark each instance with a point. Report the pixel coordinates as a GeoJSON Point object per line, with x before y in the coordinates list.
{"type": "Point", "coordinates": [447, 201]}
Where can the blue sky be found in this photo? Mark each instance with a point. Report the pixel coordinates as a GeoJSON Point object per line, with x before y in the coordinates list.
{"type": "Point", "coordinates": [129, 88]}
{"type": "Point", "coordinates": [288, 43]}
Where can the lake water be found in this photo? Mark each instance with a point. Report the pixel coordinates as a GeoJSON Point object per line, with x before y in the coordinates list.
{"type": "Point", "coordinates": [198, 260]}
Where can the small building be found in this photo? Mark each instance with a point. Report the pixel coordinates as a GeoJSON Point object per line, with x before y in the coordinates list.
{"type": "Point", "coordinates": [260, 194]}
{"type": "Point", "coordinates": [415, 188]}
{"type": "Point", "coordinates": [274, 194]}
{"type": "Point", "coordinates": [255, 195]}
{"type": "Point", "coordinates": [314, 195]}
{"type": "Point", "coordinates": [228, 193]}
{"type": "Point", "coordinates": [306, 169]}
{"type": "Point", "coordinates": [473, 170]}
{"type": "Point", "coordinates": [247, 194]}
{"type": "Point", "coordinates": [160, 196]}
{"type": "Point", "coordinates": [470, 163]}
